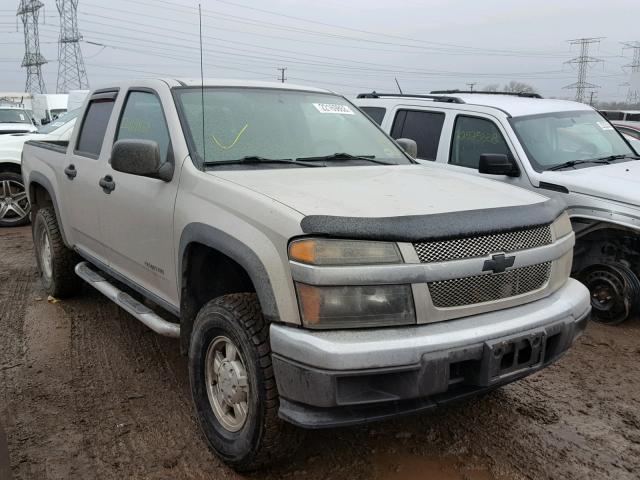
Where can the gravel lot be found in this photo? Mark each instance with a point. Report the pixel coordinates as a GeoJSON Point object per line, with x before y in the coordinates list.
{"type": "Point", "coordinates": [88, 392]}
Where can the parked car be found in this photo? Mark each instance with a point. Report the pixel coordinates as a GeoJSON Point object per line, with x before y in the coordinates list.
{"type": "Point", "coordinates": [15, 119]}
{"type": "Point", "coordinates": [622, 115]}
{"type": "Point", "coordinates": [315, 275]}
{"type": "Point", "coordinates": [561, 149]}
{"type": "Point", "coordinates": [14, 204]}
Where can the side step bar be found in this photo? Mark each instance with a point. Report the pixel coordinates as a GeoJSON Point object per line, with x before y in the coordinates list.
{"type": "Point", "coordinates": [127, 302]}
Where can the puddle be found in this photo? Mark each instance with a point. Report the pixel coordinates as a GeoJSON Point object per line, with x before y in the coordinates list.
{"type": "Point", "coordinates": [417, 467]}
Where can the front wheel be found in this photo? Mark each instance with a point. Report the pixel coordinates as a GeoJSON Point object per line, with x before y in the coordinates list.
{"type": "Point", "coordinates": [14, 204]}
{"type": "Point", "coordinates": [233, 386]}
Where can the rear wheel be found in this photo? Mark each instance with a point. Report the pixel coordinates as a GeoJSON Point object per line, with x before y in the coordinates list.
{"type": "Point", "coordinates": [14, 204]}
{"type": "Point", "coordinates": [615, 292]}
{"type": "Point", "coordinates": [55, 261]}
{"type": "Point", "coordinates": [233, 386]}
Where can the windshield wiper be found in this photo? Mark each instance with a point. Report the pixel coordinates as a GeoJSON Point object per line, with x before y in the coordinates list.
{"type": "Point", "coordinates": [345, 157]}
{"type": "Point", "coordinates": [573, 163]}
{"type": "Point", "coordinates": [603, 160]}
{"type": "Point", "coordinates": [254, 160]}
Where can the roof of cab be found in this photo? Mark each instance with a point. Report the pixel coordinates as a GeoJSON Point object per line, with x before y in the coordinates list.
{"type": "Point", "coordinates": [224, 82]}
{"type": "Point", "coordinates": [512, 105]}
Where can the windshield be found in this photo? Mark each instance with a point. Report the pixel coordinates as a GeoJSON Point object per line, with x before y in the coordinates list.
{"type": "Point", "coordinates": [279, 124]}
{"type": "Point", "coordinates": [552, 139]}
{"type": "Point", "coordinates": [62, 120]}
{"type": "Point", "coordinates": [14, 115]}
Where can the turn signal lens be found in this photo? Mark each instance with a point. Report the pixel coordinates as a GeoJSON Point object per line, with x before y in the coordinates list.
{"type": "Point", "coordinates": [562, 225]}
{"type": "Point", "coordinates": [322, 251]}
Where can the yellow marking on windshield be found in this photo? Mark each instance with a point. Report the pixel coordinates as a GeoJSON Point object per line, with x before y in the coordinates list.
{"type": "Point", "coordinates": [227, 147]}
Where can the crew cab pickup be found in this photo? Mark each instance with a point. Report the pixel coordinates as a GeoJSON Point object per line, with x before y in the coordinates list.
{"type": "Point", "coordinates": [562, 149]}
{"type": "Point", "coordinates": [315, 275]}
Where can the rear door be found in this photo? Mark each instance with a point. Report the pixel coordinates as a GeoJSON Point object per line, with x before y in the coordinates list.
{"type": "Point", "coordinates": [82, 171]}
{"type": "Point", "coordinates": [422, 126]}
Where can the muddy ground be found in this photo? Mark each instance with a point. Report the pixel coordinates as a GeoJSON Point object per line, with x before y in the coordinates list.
{"type": "Point", "coordinates": [88, 392]}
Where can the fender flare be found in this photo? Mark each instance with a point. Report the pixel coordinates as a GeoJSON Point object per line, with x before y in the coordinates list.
{"type": "Point", "coordinates": [39, 178]}
{"type": "Point", "coordinates": [240, 253]}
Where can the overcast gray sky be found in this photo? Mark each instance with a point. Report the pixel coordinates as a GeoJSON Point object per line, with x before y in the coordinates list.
{"type": "Point", "coordinates": [348, 46]}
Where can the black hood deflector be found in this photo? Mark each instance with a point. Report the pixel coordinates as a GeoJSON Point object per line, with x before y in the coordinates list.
{"type": "Point", "coordinates": [439, 226]}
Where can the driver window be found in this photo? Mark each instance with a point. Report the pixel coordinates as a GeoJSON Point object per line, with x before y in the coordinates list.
{"type": "Point", "coordinates": [143, 119]}
{"type": "Point", "coordinates": [473, 136]}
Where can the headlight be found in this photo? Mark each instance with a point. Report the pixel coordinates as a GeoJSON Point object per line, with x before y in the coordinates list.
{"type": "Point", "coordinates": [355, 306]}
{"type": "Point", "coordinates": [323, 251]}
{"type": "Point", "coordinates": [562, 225]}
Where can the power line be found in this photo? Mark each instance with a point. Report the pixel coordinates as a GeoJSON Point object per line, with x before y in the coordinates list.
{"type": "Point", "coordinates": [583, 62]}
{"type": "Point", "coordinates": [71, 71]}
{"type": "Point", "coordinates": [33, 60]}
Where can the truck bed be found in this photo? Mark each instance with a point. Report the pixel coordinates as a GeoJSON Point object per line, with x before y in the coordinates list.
{"type": "Point", "coordinates": [55, 145]}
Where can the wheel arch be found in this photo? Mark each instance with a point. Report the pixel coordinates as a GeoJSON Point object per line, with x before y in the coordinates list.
{"type": "Point", "coordinates": [8, 166]}
{"type": "Point", "coordinates": [208, 254]}
{"type": "Point", "coordinates": [41, 194]}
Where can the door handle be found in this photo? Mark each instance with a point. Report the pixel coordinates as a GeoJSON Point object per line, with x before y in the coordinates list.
{"type": "Point", "coordinates": [107, 184]}
{"type": "Point", "coordinates": [71, 172]}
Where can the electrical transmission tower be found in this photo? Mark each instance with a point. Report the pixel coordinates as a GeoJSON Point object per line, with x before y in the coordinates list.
{"type": "Point", "coordinates": [33, 60]}
{"type": "Point", "coordinates": [582, 63]}
{"type": "Point", "coordinates": [71, 71]}
{"type": "Point", "coordinates": [633, 95]}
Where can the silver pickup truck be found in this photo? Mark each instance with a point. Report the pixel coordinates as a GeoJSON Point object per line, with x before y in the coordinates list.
{"type": "Point", "coordinates": [314, 274]}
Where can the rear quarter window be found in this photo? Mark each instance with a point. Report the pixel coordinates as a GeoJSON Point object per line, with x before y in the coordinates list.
{"type": "Point", "coordinates": [375, 113]}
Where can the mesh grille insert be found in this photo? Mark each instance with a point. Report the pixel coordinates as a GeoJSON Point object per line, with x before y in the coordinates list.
{"type": "Point", "coordinates": [482, 246]}
{"type": "Point", "coordinates": [490, 287]}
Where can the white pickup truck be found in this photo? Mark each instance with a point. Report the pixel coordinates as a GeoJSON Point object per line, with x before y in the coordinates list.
{"type": "Point", "coordinates": [315, 275]}
{"type": "Point", "coordinates": [561, 149]}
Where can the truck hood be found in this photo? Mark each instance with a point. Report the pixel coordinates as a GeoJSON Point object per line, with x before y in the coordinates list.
{"type": "Point", "coordinates": [379, 191]}
{"type": "Point", "coordinates": [619, 182]}
{"type": "Point", "coordinates": [17, 127]}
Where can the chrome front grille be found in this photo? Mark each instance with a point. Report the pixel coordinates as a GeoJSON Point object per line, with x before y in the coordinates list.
{"type": "Point", "coordinates": [482, 246]}
{"type": "Point", "coordinates": [489, 287]}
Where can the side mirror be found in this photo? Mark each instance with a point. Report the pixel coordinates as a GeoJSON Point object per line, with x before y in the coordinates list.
{"type": "Point", "coordinates": [140, 157]}
{"type": "Point", "coordinates": [409, 146]}
{"type": "Point", "coordinates": [498, 164]}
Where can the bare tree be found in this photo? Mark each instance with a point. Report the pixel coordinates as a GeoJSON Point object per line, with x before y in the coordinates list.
{"type": "Point", "coordinates": [519, 87]}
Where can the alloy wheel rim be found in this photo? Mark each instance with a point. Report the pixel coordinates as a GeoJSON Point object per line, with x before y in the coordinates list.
{"type": "Point", "coordinates": [14, 204]}
{"type": "Point", "coordinates": [227, 383]}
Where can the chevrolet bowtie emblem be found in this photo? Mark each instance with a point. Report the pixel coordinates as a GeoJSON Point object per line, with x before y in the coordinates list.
{"type": "Point", "coordinates": [498, 263]}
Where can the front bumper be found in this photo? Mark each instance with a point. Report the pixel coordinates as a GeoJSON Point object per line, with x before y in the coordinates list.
{"type": "Point", "coordinates": [346, 377]}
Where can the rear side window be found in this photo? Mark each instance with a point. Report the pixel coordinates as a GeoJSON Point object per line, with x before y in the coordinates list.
{"type": "Point", "coordinates": [376, 113]}
{"type": "Point", "coordinates": [143, 119]}
{"type": "Point", "coordinates": [94, 127]}
{"type": "Point", "coordinates": [633, 117]}
{"type": "Point", "coordinates": [612, 114]}
{"type": "Point", "coordinates": [472, 137]}
{"type": "Point", "coordinates": [423, 127]}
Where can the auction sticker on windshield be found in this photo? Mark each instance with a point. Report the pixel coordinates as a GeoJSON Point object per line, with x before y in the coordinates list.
{"type": "Point", "coordinates": [333, 108]}
{"type": "Point", "coordinates": [605, 126]}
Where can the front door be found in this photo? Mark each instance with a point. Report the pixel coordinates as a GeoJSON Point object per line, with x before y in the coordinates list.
{"type": "Point", "coordinates": [138, 213]}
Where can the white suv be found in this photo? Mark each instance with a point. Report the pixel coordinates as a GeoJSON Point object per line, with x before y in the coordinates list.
{"type": "Point", "coordinates": [559, 148]}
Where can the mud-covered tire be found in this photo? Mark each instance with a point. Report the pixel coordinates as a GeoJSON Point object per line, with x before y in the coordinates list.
{"type": "Point", "coordinates": [55, 261]}
{"type": "Point", "coordinates": [264, 438]}
{"type": "Point", "coordinates": [14, 204]}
